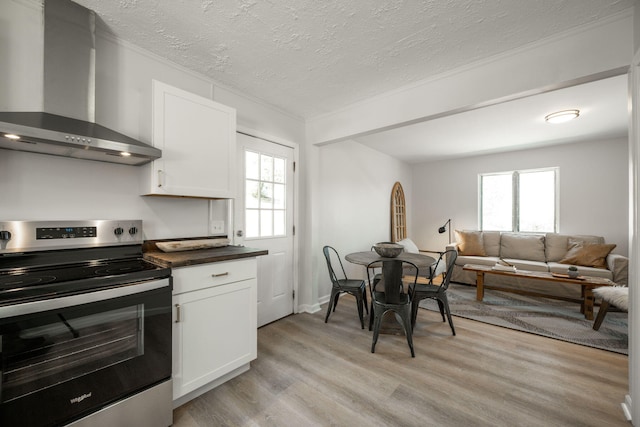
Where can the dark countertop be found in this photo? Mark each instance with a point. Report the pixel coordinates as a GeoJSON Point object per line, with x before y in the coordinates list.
{"type": "Point", "coordinates": [201, 256]}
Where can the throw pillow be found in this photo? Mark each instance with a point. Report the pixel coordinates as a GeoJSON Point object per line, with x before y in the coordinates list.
{"type": "Point", "coordinates": [587, 255]}
{"type": "Point", "coordinates": [470, 243]}
{"type": "Point", "coordinates": [409, 246]}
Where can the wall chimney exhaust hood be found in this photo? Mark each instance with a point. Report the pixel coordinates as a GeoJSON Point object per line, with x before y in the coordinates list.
{"type": "Point", "coordinates": [66, 126]}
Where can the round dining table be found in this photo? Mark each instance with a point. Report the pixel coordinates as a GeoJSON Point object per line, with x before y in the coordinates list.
{"type": "Point", "coordinates": [391, 268]}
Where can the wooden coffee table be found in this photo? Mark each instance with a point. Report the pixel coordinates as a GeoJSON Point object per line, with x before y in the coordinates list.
{"type": "Point", "coordinates": [587, 284]}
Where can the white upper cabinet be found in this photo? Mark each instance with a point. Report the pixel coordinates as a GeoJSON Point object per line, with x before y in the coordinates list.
{"type": "Point", "coordinates": [197, 137]}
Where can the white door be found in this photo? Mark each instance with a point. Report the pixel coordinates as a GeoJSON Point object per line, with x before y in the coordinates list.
{"type": "Point", "coordinates": [264, 220]}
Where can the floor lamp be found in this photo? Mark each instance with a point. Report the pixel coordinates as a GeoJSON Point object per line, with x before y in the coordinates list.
{"type": "Point", "coordinates": [444, 228]}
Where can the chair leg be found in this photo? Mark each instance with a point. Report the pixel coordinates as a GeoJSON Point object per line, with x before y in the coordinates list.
{"type": "Point", "coordinates": [359, 303]}
{"type": "Point", "coordinates": [376, 328]}
{"type": "Point", "coordinates": [334, 295]}
{"type": "Point", "coordinates": [444, 303]}
{"type": "Point", "coordinates": [441, 307]}
{"type": "Point", "coordinates": [414, 311]}
{"type": "Point", "coordinates": [335, 303]}
{"type": "Point", "coordinates": [364, 297]}
{"type": "Point", "coordinates": [604, 307]}
{"type": "Point", "coordinates": [405, 315]}
{"type": "Point", "coordinates": [371, 315]}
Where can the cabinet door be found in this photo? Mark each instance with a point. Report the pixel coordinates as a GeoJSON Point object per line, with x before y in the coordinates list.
{"type": "Point", "coordinates": [197, 139]}
{"type": "Point", "coordinates": [216, 332]}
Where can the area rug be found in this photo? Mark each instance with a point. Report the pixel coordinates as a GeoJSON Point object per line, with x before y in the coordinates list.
{"type": "Point", "coordinates": [557, 319]}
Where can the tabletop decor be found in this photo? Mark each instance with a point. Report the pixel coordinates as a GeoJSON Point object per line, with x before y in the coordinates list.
{"type": "Point", "coordinates": [388, 249]}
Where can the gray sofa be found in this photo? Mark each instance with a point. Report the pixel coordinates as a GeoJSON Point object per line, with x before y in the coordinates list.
{"type": "Point", "coordinates": [536, 252]}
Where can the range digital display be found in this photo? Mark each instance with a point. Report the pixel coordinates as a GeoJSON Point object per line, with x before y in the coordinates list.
{"type": "Point", "coordinates": [65, 232]}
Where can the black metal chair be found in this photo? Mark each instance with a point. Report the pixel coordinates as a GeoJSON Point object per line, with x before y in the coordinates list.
{"type": "Point", "coordinates": [399, 303]}
{"type": "Point", "coordinates": [355, 287]}
{"type": "Point", "coordinates": [419, 291]}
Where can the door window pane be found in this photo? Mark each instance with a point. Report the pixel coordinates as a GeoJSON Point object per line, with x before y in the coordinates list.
{"type": "Point", "coordinates": [266, 223]}
{"type": "Point", "coordinates": [252, 195]}
{"type": "Point", "coordinates": [278, 196]}
{"type": "Point", "coordinates": [267, 168]}
{"type": "Point", "coordinates": [266, 195]}
{"type": "Point", "coordinates": [279, 223]}
{"type": "Point", "coordinates": [252, 165]}
{"type": "Point", "coordinates": [252, 223]}
{"type": "Point", "coordinates": [279, 171]}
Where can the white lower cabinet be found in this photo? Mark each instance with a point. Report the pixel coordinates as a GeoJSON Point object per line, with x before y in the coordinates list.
{"type": "Point", "coordinates": [215, 323]}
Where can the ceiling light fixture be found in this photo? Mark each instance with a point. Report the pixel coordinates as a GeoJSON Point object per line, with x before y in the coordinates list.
{"type": "Point", "coordinates": [125, 154]}
{"type": "Point", "coordinates": [11, 136]}
{"type": "Point", "coordinates": [562, 116]}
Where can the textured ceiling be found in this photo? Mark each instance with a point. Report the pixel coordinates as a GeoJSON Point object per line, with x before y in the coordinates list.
{"type": "Point", "coordinates": [309, 57]}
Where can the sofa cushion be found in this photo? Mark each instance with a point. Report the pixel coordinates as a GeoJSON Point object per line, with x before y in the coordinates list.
{"type": "Point", "coordinates": [477, 260]}
{"type": "Point", "coordinates": [470, 243]}
{"type": "Point", "coordinates": [557, 245]}
{"type": "Point", "coordinates": [588, 255]}
{"type": "Point", "coordinates": [528, 247]}
{"type": "Point", "coordinates": [491, 241]}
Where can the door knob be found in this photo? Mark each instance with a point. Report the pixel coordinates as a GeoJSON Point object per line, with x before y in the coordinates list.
{"type": "Point", "coordinates": [239, 233]}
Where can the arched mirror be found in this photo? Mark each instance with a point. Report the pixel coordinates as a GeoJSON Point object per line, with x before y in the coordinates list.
{"type": "Point", "coordinates": [398, 214]}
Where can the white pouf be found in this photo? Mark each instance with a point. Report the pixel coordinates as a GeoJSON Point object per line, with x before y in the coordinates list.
{"type": "Point", "coordinates": [615, 295]}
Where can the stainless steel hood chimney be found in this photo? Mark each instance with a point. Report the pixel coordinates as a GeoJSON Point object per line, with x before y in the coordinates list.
{"type": "Point", "coordinates": [67, 125]}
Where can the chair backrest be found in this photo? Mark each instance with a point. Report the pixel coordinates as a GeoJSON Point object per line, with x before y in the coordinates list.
{"type": "Point", "coordinates": [373, 284]}
{"type": "Point", "coordinates": [450, 256]}
{"type": "Point", "coordinates": [332, 257]}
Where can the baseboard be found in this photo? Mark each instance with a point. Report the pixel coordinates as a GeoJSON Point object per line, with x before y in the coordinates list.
{"type": "Point", "coordinates": [626, 408]}
{"type": "Point", "coordinates": [309, 308]}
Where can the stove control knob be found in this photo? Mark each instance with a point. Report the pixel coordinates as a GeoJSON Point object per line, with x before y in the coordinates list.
{"type": "Point", "coordinates": [133, 231]}
{"type": "Point", "coordinates": [118, 231]}
{"type": "Point", "coordinates": [5, 235]}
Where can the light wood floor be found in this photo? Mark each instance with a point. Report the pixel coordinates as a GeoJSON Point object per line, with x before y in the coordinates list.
{"type": "Point", "coordinates": [309, 373]}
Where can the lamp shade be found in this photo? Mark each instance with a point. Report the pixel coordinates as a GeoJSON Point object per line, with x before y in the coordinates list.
{"type": "Point", "coordinates": [444, 228]}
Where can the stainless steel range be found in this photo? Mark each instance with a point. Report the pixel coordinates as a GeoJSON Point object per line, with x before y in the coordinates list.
{"type": "Point", "coordinates": [85, 326]}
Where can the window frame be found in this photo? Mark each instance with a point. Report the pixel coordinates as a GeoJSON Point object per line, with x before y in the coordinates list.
{"type": "Point", "coordinates": [260, 209]}
{"type": "Point", "coordinates": [515, 204]}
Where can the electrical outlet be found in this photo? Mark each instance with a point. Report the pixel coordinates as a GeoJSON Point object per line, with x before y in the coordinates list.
{"type": "Point", "coordinates": [216, 227]}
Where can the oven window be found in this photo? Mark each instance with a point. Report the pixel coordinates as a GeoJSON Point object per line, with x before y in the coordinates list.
{"type": "Point", "coordinates": [46, 350]}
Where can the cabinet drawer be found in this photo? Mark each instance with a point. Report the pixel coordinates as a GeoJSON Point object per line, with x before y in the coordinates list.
{"type": "Point", "coordinates": [192, 278]}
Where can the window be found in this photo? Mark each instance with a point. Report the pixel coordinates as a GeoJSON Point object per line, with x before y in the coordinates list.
{"type": "Point", "coordinates": [519, 201]}
{"type": "Point", "coordinates": [265, 192]}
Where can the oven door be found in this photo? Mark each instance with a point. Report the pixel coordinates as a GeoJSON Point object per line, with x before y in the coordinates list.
{"type": "Point", "coordinates": [64, 358]}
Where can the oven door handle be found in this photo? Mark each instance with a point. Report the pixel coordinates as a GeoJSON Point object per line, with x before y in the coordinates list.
{"type": "Point", "coordinates": [89, 297]}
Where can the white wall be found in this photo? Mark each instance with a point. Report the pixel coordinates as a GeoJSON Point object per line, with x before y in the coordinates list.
{"type": "Point", "coordinates": [353, 203]}
{"type": "Point", "coordinates": [42, 187]}
{"type": "Point", "coordinates": [593, 190]}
